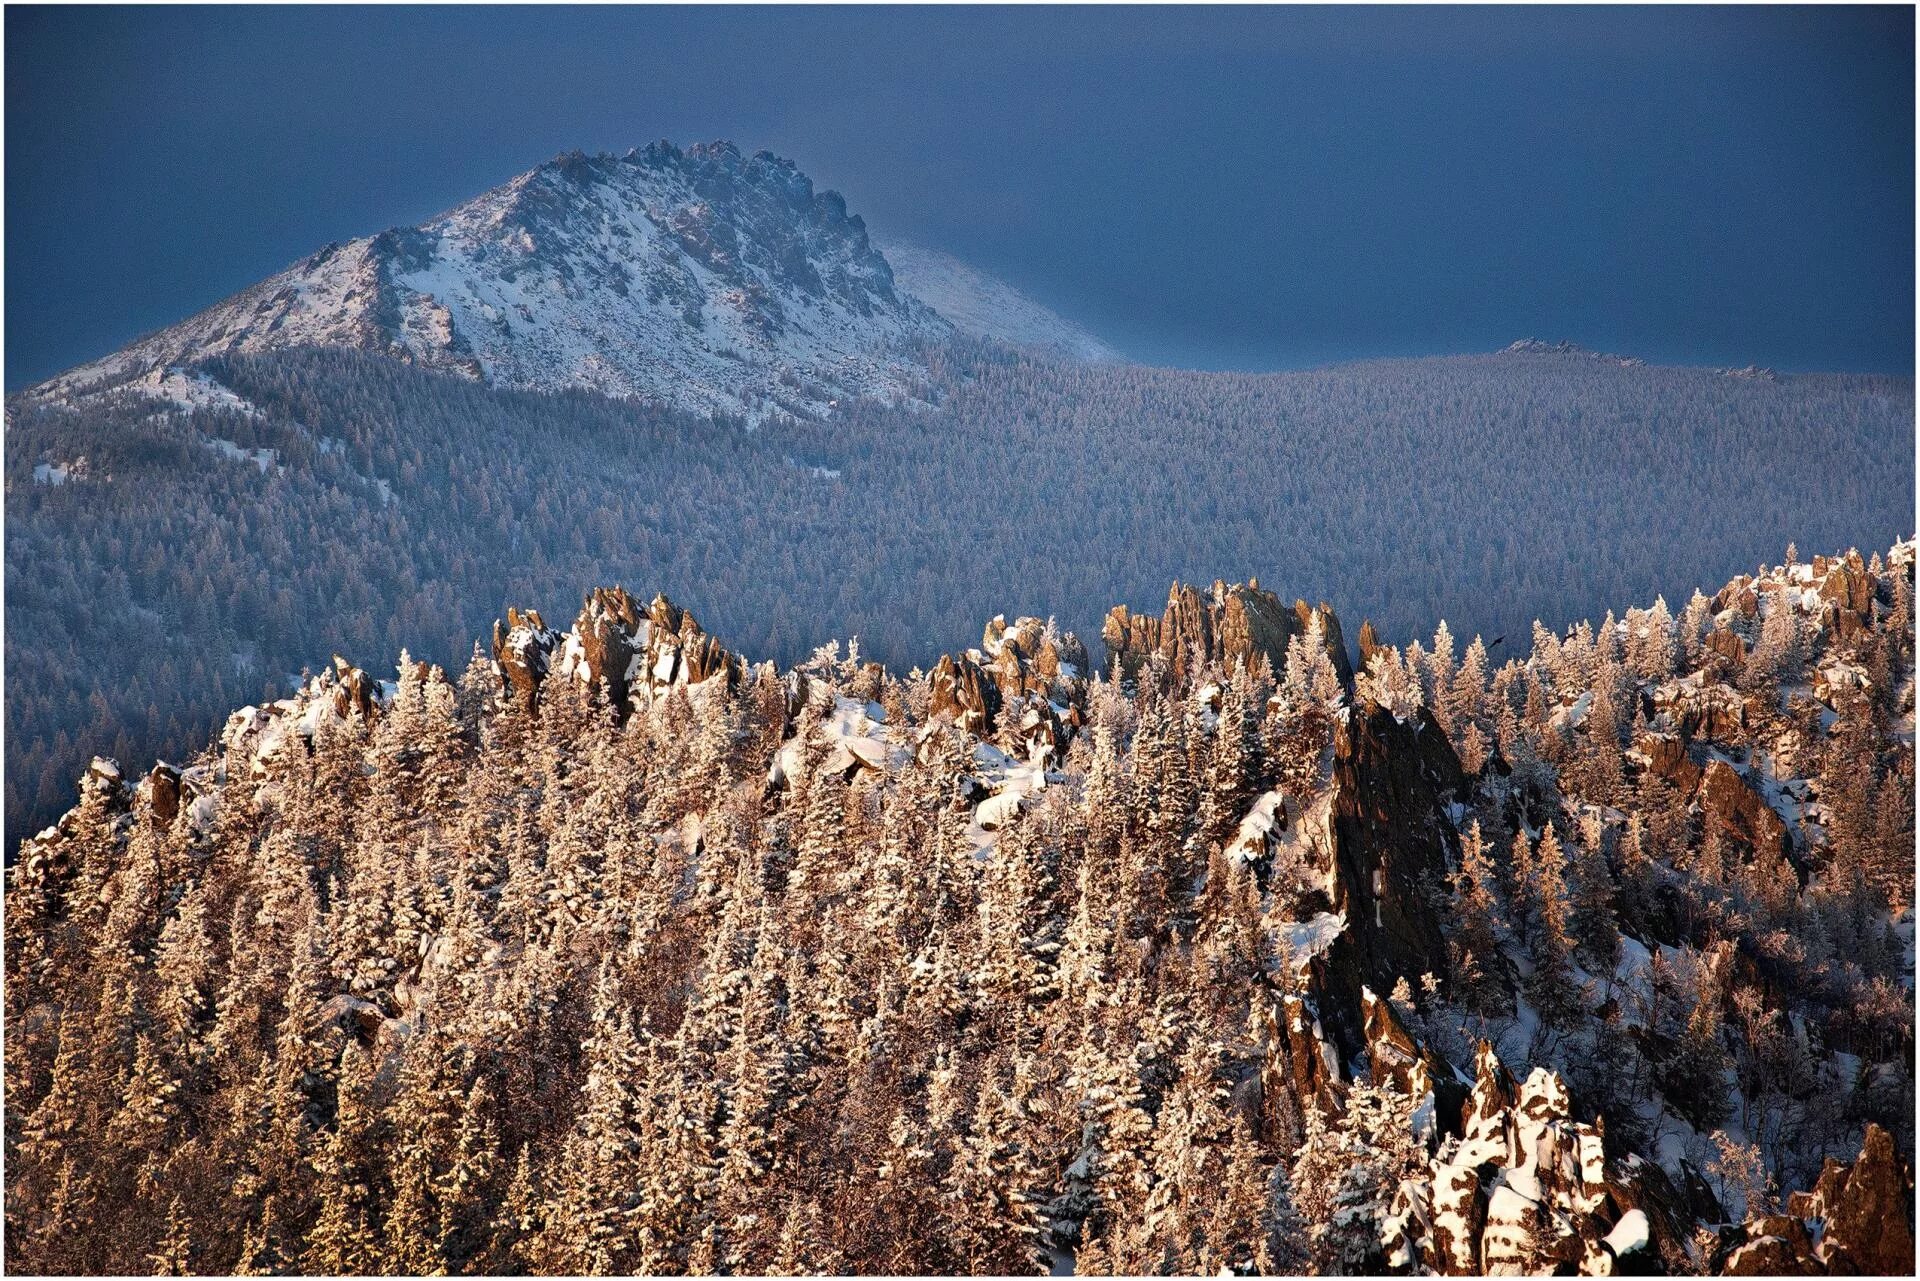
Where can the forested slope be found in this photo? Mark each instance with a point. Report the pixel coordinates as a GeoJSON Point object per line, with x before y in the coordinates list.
{"type": "Point", "coordinates": [618, 953]}
{"type": "Point", "coordinates": [157, 577]}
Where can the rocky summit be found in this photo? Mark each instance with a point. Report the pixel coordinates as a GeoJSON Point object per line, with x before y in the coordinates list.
{"type": "Point", "coordinates": [703, 278]}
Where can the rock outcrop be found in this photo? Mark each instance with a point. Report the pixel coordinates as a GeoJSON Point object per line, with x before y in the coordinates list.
{"type": "Point", "coordinates": [960, 688]}
{"type": "Point", "coordinates": [522, 650]}
{"type": "Point", "coordinates": [1732, 806]}
{"type": "Point", "coordinates": [1701, 708]}
{"type": "Point", "coordinates": [1027, 663]}
{"type": "Point", "coordinates": [1523, 1187]}
{"type": "Point", "coordinates": [1222, 624]}
{"type": "Point", "coordinates": [1393, 844]}
{"type": "Point", "coordinates": [1666, 755]}
{"type": "Point", "coordinates": [1856, 1221]}
{"type": "Point", "coordinates": [162, 790]}
{"type": "Point", "coordinates": [616, 648]}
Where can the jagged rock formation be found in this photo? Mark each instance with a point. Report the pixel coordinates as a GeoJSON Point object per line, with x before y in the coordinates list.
{"type": "Point", "coordinates": [523, 649]}
{"type": "Point", "coordinates": [614, 648]}
{"type": "Point", "coordinates": [1222, 624]}
{"type": "Point", "coordinates": [1856, 1221]}
{"type": "Point", "coordinates": [1521, 1187]}
{"type": "Point", "coordinates": [1028, 662]}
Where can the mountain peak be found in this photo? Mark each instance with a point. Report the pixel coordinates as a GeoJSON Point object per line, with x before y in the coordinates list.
{"type": "Point", "coordinates": [702, 278]}
{"type": "Point", "coordinates": [1541, 347]}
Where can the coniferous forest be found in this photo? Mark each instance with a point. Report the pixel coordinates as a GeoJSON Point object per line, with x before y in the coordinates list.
{"type": "Point", "coordinates": [163, 570]}
{"type": "Point", "coordinates": [614, 951]}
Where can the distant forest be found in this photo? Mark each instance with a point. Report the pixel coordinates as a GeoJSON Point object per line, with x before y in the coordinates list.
{"type": "Point", "coordinates": [170, 578]}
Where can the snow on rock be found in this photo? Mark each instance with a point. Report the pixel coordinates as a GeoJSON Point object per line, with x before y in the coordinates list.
{"type": "Point", "coordinates": [1630, 1234]}
{"type": "Point", "coordinates": [1307, 940]}
{"type": "Point", "coordinates": [1257, 829]}
{"type": "Point", "coordinates": [255, 737]}
{"type": "Point", "coordinates": [1010, 785]}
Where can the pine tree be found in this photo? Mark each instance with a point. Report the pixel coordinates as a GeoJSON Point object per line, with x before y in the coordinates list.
{"type": "Point", "coordinates": [1552, 986]}
{"type": "Point", "coordinates": [1481, 928]}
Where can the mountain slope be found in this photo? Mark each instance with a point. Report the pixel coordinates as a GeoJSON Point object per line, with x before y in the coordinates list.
{"type": "Point", "coordinates": [984, 306]}
{"type": "Point", "coordinates": [703, 279]}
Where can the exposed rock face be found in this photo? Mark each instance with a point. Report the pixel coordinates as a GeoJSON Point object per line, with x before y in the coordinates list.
{"type": "Point", "coordinates": [354, 692]}
{"type": "Point", "coordinates": [1845, 582]}
{"type": "Point", "coordinates": [1393, 843]}
{"type": "Point", "coordinates": [1223, 624]}
{"type": "Point", "coordinates": [1739, 811]}
{"type": "Point", "coordinates": [1867, 1209]}
{"type": "Point", "coordinates": [1026, 662]}
{"type": "Point", "coordinates": [679, 652]}
{"type": "Point", "coordinates": [1857, 1221]}
{"type": "Point", "coordinates": [1728, 645]}
{"type": "Point", "coordinates": [1666, 755]}
{"type": "Point", "coordinates": [961, 688]}
{"type": "Point", "coordinates": [1701, 708]}
{"type": "Point", "coordinates": [1369, 642]}
{"type": "Point", "coordinates": [1311, 1058]}
{"type": "Point", "coordinates": [254, 737]}
{"type": "Point", "coordinates": [104, 785]}
{"type": "Point", "coordinates": [522, 650]}
{"type": "Point", "coordinates": [605, 632]}
{"type": "Point", "coordinates": [614, 646]}
{"type": "Point", "coordinates": [163, 793]}
{"type": "Point", "coordinates": [1392, 1051]}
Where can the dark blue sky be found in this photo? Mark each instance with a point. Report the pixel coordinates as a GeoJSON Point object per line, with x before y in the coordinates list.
{"type": "Point", "coordinates": [1219, 188]}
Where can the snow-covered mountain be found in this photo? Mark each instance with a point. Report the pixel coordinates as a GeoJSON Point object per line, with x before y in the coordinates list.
{"type": "Point", "coordinates": [704, 279]}
{"type": "Point", "coordinates": [986, 306]}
